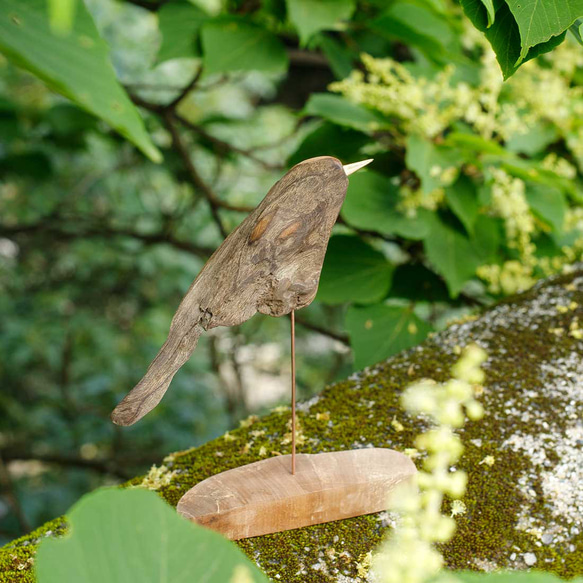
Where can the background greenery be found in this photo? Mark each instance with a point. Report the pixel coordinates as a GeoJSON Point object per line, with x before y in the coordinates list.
{"type": "Point", "coordinates": [114, 195]}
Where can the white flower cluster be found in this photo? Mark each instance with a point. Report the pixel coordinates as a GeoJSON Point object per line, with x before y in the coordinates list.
{"type": "Point", "coordinates": [542, 100]}
{"type": "Point", "coordinates": [408, 556]}
{"type": "Point", "coordinates": [509, 203]}
{"type": "Point", "coordinates": [425, 106]}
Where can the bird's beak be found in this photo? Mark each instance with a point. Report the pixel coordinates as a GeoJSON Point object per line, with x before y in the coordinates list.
{"type": "Point", "coordinates": [352, 168]}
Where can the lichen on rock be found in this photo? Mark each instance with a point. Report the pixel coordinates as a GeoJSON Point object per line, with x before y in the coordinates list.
{"type": "Point", "coordinates": [524, 459]}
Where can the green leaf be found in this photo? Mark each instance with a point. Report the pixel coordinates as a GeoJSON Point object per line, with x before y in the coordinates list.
{"type": "Point", "coordinates": [462, 199]}
{"type": "Point", "coordinates": [330, 140]}
{"type": "Point", "coordinates": [179, 24]}
{"type": "Point", "coordinates": [540, 20]}
{"type": "Point", "coordinates": [548, 204]}
{"type": "Point", "coordinates": [417, 26]}
{"type": "Point", "coordinates": [489, 5]}
{"type": "Point", "coordinates": [235, 45]}
{"type": "Point", "coordinates": [133, 536]}
{"type": "Point", "coordinates": [76, 65]}
{"type": "Point", "coordinates": [475, 143]}
{"type": "Point", "coordinates": [312, 16]}
{"type": "Point", "coordinates": [379, 331]}
{"type": "Point", "coordinates": [417, 283]}
{"type": "Point", "coordinates": [371, 204]}
{"type": "Point", "coordinates": [428, 160]}
{"type": "Point", "coordinates": [504, 35]}
{"type": "Point", "coordinates": [353, 271]}
{"type": "Point", "coordinates": [451, 254]}
{"type": "Point", "coordinates": [577, 30]}
{"type": "Point", "coordinates": [479, 14]}
{"type": "Point", "coordinates": [534, 141]}
{"type": "Point", "coordinates": [486, 238]}
{"type": "Point", "coordinates": [61, 15]}
{"type": "Point", "coordinates": [339, 110]}
{"type": "Point", "coordinates": [341, 59]}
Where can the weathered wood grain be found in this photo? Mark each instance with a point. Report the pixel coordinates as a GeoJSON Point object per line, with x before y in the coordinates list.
{"type": "Point", "coordinates": [270, 263]}
{"type": "Point", "coordinates": [264, 497]}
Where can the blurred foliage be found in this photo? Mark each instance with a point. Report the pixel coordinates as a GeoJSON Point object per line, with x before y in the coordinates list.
{"type": "Point", "coordinates": [103, 544]}
{"type": "Point", "coordinates": [475, 191]}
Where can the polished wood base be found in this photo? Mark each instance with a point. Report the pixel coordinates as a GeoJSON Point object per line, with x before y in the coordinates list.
{"type": "Point", "coordinates": [264, 497]}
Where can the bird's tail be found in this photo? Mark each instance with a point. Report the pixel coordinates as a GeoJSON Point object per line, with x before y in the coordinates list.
{"type": "Point", "coordinates": [150, 390]}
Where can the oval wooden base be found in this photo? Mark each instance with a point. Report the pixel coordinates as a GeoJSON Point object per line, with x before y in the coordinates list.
{"type": "Point", "coordinates": [264, 497]}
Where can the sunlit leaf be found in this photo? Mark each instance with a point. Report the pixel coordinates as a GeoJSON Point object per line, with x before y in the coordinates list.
{"type": "Point", "coordinates": [312, 16]}
{"type": "Point", "coordinates": [343, 112]}
{"type": "Point", "coordinates": [133, 536]}
{"type": "Point", "coordinates": [75, 64]}
{"type": "Point", "coordinates": [538, 22]}
{"type": "Point", "coordinates": [236, 45]}
{"type": "Point", "coordinates": [179, 24]}
{"type": "Point", "coordinates": [378, 331]}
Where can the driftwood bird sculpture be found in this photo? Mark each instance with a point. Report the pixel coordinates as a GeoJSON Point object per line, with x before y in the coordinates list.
{"type": "Point", "coordinates": [270, 263]}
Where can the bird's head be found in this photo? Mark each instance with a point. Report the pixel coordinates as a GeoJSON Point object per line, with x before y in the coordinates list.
{"type": "Point", "coordinates": [320, 179]}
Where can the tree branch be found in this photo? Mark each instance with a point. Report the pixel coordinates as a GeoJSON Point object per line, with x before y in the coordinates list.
{"type": "Point", "coordinates": [195, 177]}
{"type": "Point", "coordinates": [103, 466]}
{"type": "Point", "coordinates": [185, 91]}
{"type": "Point", "coordinates": [225, 145]}
{"type": "Point", "coordinates": [105, 232]}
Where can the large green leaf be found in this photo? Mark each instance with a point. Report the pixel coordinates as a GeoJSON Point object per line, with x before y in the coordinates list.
{"type": "Point", "coordinates": [548, 204]}
{"type": "Point", "coordinates": [486, 238]}
{"type": "Point", "coordinates": [539, 20]}
{"type": "Point", "coordinates": [504, 35]}
{"type": "Point", "coordinates": [311, 16]}
{"type": "Point", "coordinates": [340, 57]}
{"type": "Point", "coordinates": [236, 45]}
{"type": "Point", "coordinates": [462, 199]}
{"type": "Point", "coordinates": [353, 271]}
{"type": "Point", "coordinates": [417, 26]}
{"type": "Point", "coordinates": [75, 64]}
{"type": "Point", "coordinates": [538, 137]}
{"type": "Point", "coordinates": [343, 112]}
{"type": "Point", "coordinates": [133, 536]}
{"type": "Point", "coordinates": [179, 24]}
{"type": "Point", "coordinates": [429, 160]}
{"type": "Point", "coordinates": [451, 254]}
{"type": "Point", "coordinates": [379, 331]}
{"type": "Point", "coordinates": [371, 204]}
{"type": "Point", "coordinates": [417, 283]}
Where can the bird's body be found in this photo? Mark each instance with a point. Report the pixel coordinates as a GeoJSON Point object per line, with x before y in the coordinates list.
{"type": "Point", "coordinates": [270, 263]}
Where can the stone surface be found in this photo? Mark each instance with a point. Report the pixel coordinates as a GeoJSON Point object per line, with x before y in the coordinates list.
{"type": "Point", "coordinates": [524, 459]}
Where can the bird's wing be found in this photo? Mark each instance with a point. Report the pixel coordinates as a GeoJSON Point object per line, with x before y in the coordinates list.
{"type": "Point", "coordinates": [270, 263]}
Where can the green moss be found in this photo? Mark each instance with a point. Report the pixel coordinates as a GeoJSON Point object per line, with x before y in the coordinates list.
{"type": "Point", "coordinates": [17, 558]}
{"type": "Point", "coordinates": [358, 412]}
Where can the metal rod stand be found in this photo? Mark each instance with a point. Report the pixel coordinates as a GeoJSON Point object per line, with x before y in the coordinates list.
{"type": "Point", "coordinates": [293, 390]}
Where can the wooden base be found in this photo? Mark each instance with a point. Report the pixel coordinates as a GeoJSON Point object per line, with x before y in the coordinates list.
{"type": "Point", "coordinates": [264, 497]}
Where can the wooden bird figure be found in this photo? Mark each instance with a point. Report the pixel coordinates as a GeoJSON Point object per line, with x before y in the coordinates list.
{"type": "Point", "coordinates": [270, 263]}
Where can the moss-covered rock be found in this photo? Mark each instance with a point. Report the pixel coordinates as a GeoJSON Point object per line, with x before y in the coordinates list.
{"type": "Point", "coordinates": [524, 459]}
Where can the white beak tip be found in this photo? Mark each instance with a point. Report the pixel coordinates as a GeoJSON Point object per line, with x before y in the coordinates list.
{"type": "Point", "coordinates": [352, 168]}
